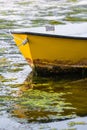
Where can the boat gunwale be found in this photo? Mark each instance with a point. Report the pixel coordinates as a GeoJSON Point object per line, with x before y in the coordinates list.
{"type": "Point", "coordinates": [49, 35]}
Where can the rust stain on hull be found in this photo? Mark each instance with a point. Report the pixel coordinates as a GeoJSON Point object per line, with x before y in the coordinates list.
{"type": "Point", "coordinates": [30, 62]}
{"type": "Point", "coordinates": [46, 67]}
{"type": "Point", "coordinates": [67, 63]}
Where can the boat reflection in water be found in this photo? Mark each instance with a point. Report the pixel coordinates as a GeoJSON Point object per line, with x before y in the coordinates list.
{"type": "Point", "coordinates": [51, 51]}
{"type": "Point", "coordinates": [51, 99]}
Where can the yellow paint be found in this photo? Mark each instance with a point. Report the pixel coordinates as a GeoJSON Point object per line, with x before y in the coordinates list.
{"type": "Point", "coordinates": [57, 48]}
{"type": "Point", "coordinates": [50, 48]}
{"type": "Point", "coordinates": [24, 49]}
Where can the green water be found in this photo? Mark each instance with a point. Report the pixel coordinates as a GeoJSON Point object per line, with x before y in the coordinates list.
{"type": "Point", "coordinates": [57, 103]}
{"type": "Point", "coordinates": [45, 100]}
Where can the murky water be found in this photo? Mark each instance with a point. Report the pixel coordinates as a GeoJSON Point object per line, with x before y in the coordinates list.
{"type": "Point", "coordinates": [49, 104]}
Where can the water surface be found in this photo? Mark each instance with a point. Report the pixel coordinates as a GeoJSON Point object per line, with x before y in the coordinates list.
{"type": "Point", "coordinates": [48, 103]}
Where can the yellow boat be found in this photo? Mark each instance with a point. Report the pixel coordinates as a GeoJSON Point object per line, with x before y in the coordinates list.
{"type": "Point", "coordinates": [54, 49]}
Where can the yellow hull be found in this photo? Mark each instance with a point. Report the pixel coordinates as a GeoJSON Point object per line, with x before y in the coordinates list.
{"type": "Point", "coordinates": [52, 52]}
